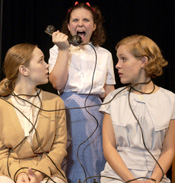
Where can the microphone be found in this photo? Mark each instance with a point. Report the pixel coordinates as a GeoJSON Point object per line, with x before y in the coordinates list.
{"type": "Point", "coordinates": [75, 40]}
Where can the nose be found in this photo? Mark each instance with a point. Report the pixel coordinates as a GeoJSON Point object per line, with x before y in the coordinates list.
{"type": "Point", "coordinates": [80, 23]}
{"type": "Point", "coordinates": [46, 65]}
{"type": "Point", "coordinates": [118, 66]}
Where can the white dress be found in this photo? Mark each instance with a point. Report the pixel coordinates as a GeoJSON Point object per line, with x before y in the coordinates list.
{"type": "Point", "coordinates": [154, 112]}
{"type": "Point", "coordinates": [80, 124]}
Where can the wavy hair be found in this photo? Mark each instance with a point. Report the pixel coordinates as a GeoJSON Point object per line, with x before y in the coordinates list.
{"type": "Point", "coordinates": [140, 46]}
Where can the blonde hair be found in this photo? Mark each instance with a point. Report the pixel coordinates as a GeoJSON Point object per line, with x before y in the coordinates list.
{"type": "Point", "coordinates": [141, 46]}
{"type": "Point", "coordinates": [17, 55]}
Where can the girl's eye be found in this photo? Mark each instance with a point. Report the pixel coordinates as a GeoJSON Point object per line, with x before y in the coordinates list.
{"type": "Point", "coordinates": [41, 60]}
{"type": "Point", "coordinates": [86, 20]}
{"type": "Point", "coordinates": [74, 20]}
{"type": "Point", "coordinates": [124, 59]}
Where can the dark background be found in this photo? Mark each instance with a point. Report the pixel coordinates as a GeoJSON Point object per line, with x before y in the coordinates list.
{"type": "Point", "coordinates": [26, 20]}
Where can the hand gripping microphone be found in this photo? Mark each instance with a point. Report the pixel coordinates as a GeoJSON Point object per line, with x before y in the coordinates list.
{"type": "Point", "coordinates": [74, 40]}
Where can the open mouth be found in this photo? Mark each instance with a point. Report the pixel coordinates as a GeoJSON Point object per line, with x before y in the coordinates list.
{"type": "Point", "coordinates": [81, 34]}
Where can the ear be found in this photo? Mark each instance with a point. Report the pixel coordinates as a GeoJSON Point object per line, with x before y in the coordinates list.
{"type": "Point", "coordinates": [23, 70]}
{"type": "Point", "coordinates": [68, 26]}
{"type": "Point", "coordinates": [144, 61]}
{"type": "Point", "coordinates": [94, 27]}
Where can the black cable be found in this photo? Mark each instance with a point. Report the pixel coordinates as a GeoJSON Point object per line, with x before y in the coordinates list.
{"type": "Point", "coordinates": [13, 94]}
{"type": "Point", "coordinates": [119, 179]}
{"type": "Point", "coordinates": [128, 86]}
{"type": "Point", "coordinates": [22, 139]}
{"type": "Point", "coordinates": [82, 107]}
{"type": "Point", "coordinates": [132, 87]}
{"type": "Point", "coordinates": [43, 149]}
{"type": "Point", "coordinates": [129, 101]}
{"type": "Point", "coordinates": [85, 106]}
{"type": "Point", "coordinates": [33, 128]}
{"type": "Point", "coordinates": [92, 83]}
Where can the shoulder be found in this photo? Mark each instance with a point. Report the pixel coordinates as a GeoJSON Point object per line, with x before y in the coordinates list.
{"type": "Point", "coordinates": [50, 97]}
{"type": "Point", "coordinates": [119, 93]}
{"type": "Point", "coordinates": [103, 50]}
{"type": "Point", "coordinates": [5, 100]}
{"type": "Point", "coordinates": [167, 94]}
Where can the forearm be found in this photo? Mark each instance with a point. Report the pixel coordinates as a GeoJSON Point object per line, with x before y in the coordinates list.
{"type": "Point", "coordinates": [168, 151]}
{"type": "Point", "coordinates": [165, 162]}
{"type": "Point", "coordinates": [110, 151]}
{"type": "Point", "coordinates": [117, 164]}
{"type": "Point", "coordinates": [58, 76]}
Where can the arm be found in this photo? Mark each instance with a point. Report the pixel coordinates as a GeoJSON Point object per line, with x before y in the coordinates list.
{"type": "Point", "coordinates": [110, 78]}
{"type": "Point", "coordinates": [110, 152]}
{"type": "Point", "coordinates": [108, 89]}
{"type": "Point", "coordinates": [168, 152]}
{"type": "Point", "coordinates": [59, 74]}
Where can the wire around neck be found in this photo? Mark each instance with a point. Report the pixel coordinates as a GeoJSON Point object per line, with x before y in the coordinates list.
{"type": "Point", "coordinates": [132, 87]}
{"type": "Point", "coordinates": [27, 95]}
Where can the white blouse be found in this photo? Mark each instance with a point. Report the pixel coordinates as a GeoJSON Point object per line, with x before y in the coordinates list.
{"type": "Point", "coordinates": [154, 112]}
{"type": "Point", "coordinates": [81, 67]}
{"type": "Point", "coordinates": [26, 112]}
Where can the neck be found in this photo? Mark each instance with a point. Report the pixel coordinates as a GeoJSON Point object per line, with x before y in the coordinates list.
{"type": "Point", "coordinates": [144, 87]}
{"type": "Point", "coordinates": [25, 90]}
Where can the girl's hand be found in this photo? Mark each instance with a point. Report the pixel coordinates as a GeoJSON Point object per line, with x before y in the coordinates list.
{"type": "Point", "coordinates": [34, 177]}
{"type": "Point", "coordinates": [22, 178]}
{"type": "Point", "coordinates": [61, 40]}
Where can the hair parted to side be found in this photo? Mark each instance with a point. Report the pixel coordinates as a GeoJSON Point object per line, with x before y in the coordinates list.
{"type": "Point", "coordinates": [17, 55]}
{"type": "Point", "coordinates": [140, 46]}
{"type": "Point", "coordinates": [99, 36]}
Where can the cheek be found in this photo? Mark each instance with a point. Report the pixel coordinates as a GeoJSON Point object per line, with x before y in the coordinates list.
{"type": "Point", "coordinates": [90, 27]}
{"type": "Point", "coordinates": [71, 27]}
{"type": "Point", "coordinates": [38, 71]}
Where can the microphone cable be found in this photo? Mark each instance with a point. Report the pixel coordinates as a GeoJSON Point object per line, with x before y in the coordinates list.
{"type": "Point", "coordinates": [85, 106]}
{"type": "Point", "coordinates": [143, 139]}
{"type": "Point", "coordinates": [36, 133]}
{"type": "Point", "coordinates": [124, 88]}
{"type": "Point", "coordinates": [119, 179]}
{"type": "Point", "coordinates": [131, 87]}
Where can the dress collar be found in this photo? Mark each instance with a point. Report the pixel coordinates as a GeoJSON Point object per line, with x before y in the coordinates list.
{"type": "Point", "coordinates": [87, 47]}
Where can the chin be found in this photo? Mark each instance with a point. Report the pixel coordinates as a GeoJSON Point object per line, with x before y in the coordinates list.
{"type": "Point", "coordinates": [124, 81]}
{"type": "Point", "coordinates": [44, 82]}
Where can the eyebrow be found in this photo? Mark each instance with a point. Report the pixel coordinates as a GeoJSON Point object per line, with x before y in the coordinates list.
{"type": "Point", "coordinates": [122, 55]}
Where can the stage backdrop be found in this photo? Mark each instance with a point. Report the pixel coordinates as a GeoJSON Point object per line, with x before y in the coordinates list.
{"type": "Point", "coordinates": [26, 20]}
